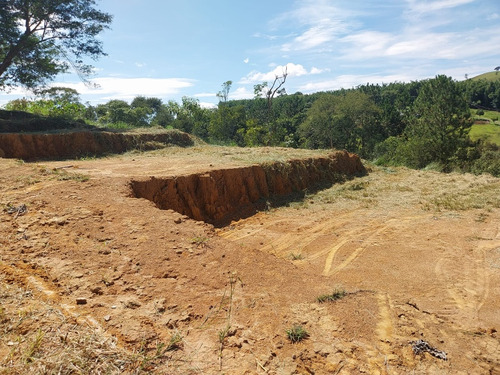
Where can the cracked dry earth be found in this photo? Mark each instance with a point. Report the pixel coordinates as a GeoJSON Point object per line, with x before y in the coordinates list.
{"type": "Point", "coordinates": [96, 281]}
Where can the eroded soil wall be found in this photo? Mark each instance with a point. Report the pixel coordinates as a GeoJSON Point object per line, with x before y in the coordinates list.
{"type": "Point", "coordinates": [222, 195]}
{"type": "Point", "coordinates": [33, 146]}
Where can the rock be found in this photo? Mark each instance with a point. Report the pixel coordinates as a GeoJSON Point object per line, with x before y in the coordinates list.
{"type": "Point", "coordinates": [81, 301]}
{"type": "Point", "coordinates": [107, 318]}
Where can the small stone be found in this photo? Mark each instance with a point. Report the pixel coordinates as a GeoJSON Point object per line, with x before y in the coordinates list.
{"type": "Point", "coordinates": [81, 301]}
{"type": "Point", "coordinates": [97, 290]}
{"type": "Point", "coordinates": [107, 318]}
{"type": "Point", "coordinates": [113, 307]}
{"type": "Point", "coordinates": [178, 220]}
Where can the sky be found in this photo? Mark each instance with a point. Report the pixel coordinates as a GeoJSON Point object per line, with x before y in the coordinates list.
{"type": "Point", "coordinates": [171, 48]}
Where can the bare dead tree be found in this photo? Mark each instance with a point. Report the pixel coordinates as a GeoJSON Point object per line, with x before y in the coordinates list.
{"type": "Point", "coordinates": [275, 88]}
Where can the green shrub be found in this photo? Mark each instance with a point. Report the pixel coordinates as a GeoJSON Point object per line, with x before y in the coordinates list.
{"type": "Point", "coordinates": [489, 162]}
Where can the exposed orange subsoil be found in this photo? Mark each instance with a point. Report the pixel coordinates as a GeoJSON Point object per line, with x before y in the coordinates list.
{"type": "Point", "coordinates": [412, 270]}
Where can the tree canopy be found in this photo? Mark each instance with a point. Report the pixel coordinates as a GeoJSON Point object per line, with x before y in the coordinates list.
{"type": "Point", "coordinates": [42, 38]}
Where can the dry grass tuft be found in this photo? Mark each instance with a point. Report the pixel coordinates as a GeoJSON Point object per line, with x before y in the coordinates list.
{"type": "Point", "coordinates": [37, 338]}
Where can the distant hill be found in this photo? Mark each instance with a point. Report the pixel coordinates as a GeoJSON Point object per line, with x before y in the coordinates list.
{"type": "Point", "coordinates": [490, 76]}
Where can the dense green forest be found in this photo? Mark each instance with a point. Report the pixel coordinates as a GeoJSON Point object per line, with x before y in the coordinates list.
{"type": "Point", "coordinates": [417, 124]}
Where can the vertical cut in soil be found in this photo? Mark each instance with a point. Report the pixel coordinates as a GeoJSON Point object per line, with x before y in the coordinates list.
{"type": "Point", "coordinates": [219, 196]}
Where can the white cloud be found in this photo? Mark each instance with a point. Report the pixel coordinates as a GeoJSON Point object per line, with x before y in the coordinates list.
{"type": "Point", "coordinates": [207, 105]}
{"type": "Point", "coordinates": [315, 70]}
{"type": "Point", "coordinates": [318, 23]}
{"type": "Point", "coordinates": [420, 7]}
{"type": "Point", "coordinates": [246, 61]}
{"type": "Point", "coordinates": [422, 46]}
{"type": "Point", "coordinates": [205, 95]}
{"type": "Point", "coordinates": [128, 88]}
{"type": "Point", "coordinates": [320, 34]}
{"type": "Point", "coordinates": [310, 12]}
{"type": "Point", "coordinates": [241, 93]}
{"type": "Point", "coordinates": [293, 70]}
{"type": "Point", "coordinates": [367, 43]}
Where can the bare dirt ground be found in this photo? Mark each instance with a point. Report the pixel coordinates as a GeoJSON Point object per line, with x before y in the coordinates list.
{"type": "Point", "coordinates": [95, 281]}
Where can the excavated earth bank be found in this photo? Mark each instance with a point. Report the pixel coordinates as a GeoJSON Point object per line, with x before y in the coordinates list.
{"type": "Point", "coordinates": [219, 196]}
{"type": "Point", "coordinates": [33, 146]}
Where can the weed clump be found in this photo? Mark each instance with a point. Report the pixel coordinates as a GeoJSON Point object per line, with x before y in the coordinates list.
{"type": "Point", "coordinates": [297, 333]}
{"type": "Point", "coordinates": [336, 295]}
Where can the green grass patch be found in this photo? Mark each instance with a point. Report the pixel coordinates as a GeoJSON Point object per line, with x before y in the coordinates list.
{"type": "Point", "coordinates": [297, 333]}
{"type": "Point", "coordinates": [487, 132]}
{"type": "Point", "coordinates": [489, 76]}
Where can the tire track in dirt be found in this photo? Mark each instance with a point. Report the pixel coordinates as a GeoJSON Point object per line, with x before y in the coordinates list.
{"type": "Point", "coordinates": [469, 289]}
{"type": "Point", "coordinates": [47, 293]}
{"type": "Point", "coordinates": [297, 237]}
{"type": "Point", "coordinates": [385, 333]}
{"type": "Point", "coordinates": [327, 271]}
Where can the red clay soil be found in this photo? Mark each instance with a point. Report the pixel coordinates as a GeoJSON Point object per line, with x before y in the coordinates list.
{"type": "Point", "coordinates": [218, 196]}
{"type": "Point", "coordinates": [414, 267]}
{"type": "Point", "coordinates": [74, 144]}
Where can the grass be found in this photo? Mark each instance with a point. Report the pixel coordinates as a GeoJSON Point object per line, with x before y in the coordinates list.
{"type": "Point", "coordinates": [61, 347]}
{"type": "Point", "coordinates": [61, 174]}
{"type": "Point", "coordinates": [297, 333]}
{"type": "Point", "coordinates": [296, 256]}
{"type": "Point", "coordinates": [487, 132]}
{"type": "Point", "coordinates": [489, 76]}
{"type": "Point", "coordinates": [478, 197]}
{"type": "Point", "coordinates": [34, 346]}
{"type": "Point", "coordinates": [336, 295]}
{"type": "Point", "coordinates": [200, 241]}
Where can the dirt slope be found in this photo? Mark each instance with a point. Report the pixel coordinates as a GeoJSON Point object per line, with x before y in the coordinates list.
{"type": "Point", "coordinates": [77, 144]}
{"type": "Point", "coordinates": [417, 252]}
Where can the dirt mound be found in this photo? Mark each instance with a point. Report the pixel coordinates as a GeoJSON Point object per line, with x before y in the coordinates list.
{"type": "Point", "coordinates": [219, 196]}
{"type": "Point", "coordinates": [36, 146]}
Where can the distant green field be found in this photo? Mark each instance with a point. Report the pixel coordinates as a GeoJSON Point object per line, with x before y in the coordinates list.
{"type": "Point", "coordinates": [487, 132]}
{"type": "Point", "coordinates": [490, 76]}
{"type": "Point", "coordinates": [490, 130]}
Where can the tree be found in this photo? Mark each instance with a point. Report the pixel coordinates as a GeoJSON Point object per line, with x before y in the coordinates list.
{"type": "Point", "coordinates": [42, 38]}
{"type": "Point", "coordinates": [224, 93]}
{"type": "Point", "coordinates": [347, 121]}
{"type": "Point", "coordinates": [55, 102]}
{"type": "Point", "coordinates": [439, 124]}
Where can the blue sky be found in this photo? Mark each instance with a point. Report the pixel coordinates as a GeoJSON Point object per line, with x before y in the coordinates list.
{"type": "Point", "coordinates": [170, 49]}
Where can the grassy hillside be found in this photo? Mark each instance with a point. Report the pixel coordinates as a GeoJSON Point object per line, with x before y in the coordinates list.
{"type": "Point", "coordinates": [487, 132]}
{"type": "Point", "coordinates": [486, 127]}
{"type": "Point", "coordinates": [490, 76]}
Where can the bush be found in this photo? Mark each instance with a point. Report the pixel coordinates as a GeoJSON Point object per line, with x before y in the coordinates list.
{"type": "Point", "coordinates": [489, 162]}
{"type": "Point", "coordinates": [480, 112]}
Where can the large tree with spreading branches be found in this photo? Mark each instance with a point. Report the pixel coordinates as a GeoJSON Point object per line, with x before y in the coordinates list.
{"type": "Point", "coordinates": [42, 38]}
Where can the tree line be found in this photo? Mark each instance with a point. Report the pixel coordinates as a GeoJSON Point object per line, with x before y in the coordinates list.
{"type": "Point", "coordinates": [414, 124]}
